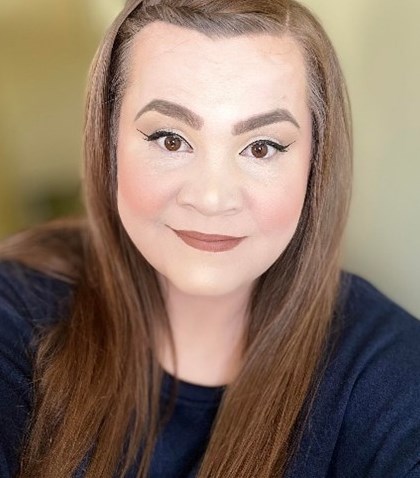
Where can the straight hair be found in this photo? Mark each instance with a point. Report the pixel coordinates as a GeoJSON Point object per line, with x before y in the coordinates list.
{"type": "Point", "coordinates": [96, 378]}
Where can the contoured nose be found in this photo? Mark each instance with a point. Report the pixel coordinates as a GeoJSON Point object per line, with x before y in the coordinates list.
{"type": "Point", "coordinates": [213, 187]}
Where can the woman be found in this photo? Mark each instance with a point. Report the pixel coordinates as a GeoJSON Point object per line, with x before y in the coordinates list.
{"type": "Point", "coordinates": [218, 163]}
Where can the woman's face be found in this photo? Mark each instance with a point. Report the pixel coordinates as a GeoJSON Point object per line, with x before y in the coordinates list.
{"type": "Point", "coordinates": [214, 137]}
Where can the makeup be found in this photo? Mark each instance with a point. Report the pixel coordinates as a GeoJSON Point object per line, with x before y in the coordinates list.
{"type": "Point", "coordinates": [208, 242]}
{"type": "Point", "coordinates": [213, 153]}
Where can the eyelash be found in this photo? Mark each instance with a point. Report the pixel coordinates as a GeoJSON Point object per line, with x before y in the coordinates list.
{"type": "Point", "coordinates": [162, 134]}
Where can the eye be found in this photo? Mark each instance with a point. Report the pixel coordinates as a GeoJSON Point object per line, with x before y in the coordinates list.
{"type": "Point", "coordinates": [168, 141]}
{"type": "Point", "coordinates": [264, 149]}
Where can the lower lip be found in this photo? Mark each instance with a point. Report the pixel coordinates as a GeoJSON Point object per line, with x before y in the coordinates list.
{"type": "Point", "coordinates": [211, 246]}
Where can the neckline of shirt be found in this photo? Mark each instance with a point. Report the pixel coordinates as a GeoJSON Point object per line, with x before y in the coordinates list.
{"type": "Point", "coordinates": [192, 392]}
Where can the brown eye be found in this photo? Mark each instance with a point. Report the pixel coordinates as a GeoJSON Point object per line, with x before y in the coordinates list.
{"type": "Point", "coordinates": [259, 150]}
{"type": "Point", "coordinates": [168, 141]}
{"type": "Point", "coordinates": [264, 149]}
{"type": "Point", "coordinates": [172, 143]}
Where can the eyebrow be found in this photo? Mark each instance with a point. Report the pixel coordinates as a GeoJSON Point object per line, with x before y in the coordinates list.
{"type": "Point", "coordinates": [257, 121]}
{"type": "Point", "coordinates": [174, 110]}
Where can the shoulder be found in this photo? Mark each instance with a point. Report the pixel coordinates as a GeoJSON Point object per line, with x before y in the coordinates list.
{"type": "Point", "coordinates": [34, 295]}
{"type": "Point", "coordinates": [29, 300]}
{"type": "Point", "coordinates": [370, 322]}
{"type": "Point", "coordinates": [365, 419]}
{"type": "Point", "coordinates": [378, 367]}
{"type": "Point", "coordinates": [360, 298]}
{"type": "Point", "coordinates": [374, 331]}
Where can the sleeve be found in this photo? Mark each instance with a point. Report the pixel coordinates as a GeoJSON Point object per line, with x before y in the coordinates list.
{"type": "Point", "coordinates": [380, 433]}
{"type": "Point", "coordinates": [15, 380]}
{"type": "Point", "coordinates": [415, 472]}
{"type": "Point", "coordinates": [29, 302]}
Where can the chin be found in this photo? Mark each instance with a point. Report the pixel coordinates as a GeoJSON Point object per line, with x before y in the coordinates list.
{"type": "Point", "coordinates": [204, 287]}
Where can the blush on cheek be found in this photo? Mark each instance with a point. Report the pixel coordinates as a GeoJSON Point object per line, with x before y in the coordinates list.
{"type": "Point", "coordinates": [281, 215]}
{"type": "Point", "coordinates": [139, 194]}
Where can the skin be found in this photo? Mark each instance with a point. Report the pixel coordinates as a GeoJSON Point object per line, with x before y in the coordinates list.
{"type": "Point", "coordinates": [213, 182]}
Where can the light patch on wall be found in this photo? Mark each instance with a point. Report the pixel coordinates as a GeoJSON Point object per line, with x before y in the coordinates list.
{"type": "Point", "coordinates": [8, 7]}
{"type": "Point", "coordinates": [103, 12]}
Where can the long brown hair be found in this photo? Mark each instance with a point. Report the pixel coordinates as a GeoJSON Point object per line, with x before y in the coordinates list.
{"type": "Point", "coordinates": [97, 379]}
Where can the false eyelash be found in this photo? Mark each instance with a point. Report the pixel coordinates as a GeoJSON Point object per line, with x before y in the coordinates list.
{"type": "Point", "coordinates": [279, 147]}
{"type": "Point", "coordinates": [156, 135]}
{"type": "Point", "coordinates": [161, 134]}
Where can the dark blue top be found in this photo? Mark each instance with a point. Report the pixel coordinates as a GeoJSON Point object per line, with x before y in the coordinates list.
{"type": "Point", "coordinates": [365, 422]}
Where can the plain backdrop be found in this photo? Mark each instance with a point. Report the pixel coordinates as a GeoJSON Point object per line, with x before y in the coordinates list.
{"type": "Point", "coordinates": [45, 50]}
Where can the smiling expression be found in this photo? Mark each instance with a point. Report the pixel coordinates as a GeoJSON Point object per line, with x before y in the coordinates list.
{"type": "Point", "coordinates": [214, 137]}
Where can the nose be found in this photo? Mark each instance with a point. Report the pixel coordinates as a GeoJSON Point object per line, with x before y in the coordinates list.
{"type": "Point", "coordinates": [212, 188]}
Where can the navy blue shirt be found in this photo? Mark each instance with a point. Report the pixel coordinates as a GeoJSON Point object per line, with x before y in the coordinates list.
{"type": "Point", "coordinates": [365, 421]}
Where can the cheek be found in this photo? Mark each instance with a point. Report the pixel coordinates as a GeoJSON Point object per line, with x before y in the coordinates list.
{"type": "Point", "coordinates": [140, 192]}
{"type": "Point", "coordinates": [278, 211]}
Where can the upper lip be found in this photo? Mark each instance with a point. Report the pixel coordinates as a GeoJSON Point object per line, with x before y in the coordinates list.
{"type": "Point", "coordinates": [206, 237]}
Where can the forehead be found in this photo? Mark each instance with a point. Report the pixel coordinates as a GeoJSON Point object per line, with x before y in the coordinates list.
{"type": "Point", "coordinates": [170, 61]}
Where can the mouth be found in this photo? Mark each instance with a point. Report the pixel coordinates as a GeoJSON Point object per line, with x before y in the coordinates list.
{"type": "Point", "coordinates": [208, 242]}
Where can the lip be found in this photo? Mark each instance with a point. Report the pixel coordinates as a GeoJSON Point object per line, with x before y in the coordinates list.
{"type": "Point", "coordinates": [208, 242]}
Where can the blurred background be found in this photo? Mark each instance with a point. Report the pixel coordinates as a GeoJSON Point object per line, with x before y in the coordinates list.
{"type": "Point", "coordinates": [45, 50]}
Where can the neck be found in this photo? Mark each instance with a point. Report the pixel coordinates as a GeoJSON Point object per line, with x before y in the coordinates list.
{"type": "Point", "coordinates": [208, 334]}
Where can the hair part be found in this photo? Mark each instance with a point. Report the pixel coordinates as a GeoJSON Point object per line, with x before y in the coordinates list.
{"type": "Point", "coordinates": [110, 413]}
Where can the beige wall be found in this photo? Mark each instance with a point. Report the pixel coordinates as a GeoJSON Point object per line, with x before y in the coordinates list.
{"type": "Point", "coordinates": [45, 49]}
{"type": "Point", "coordinates": [378, 42]}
